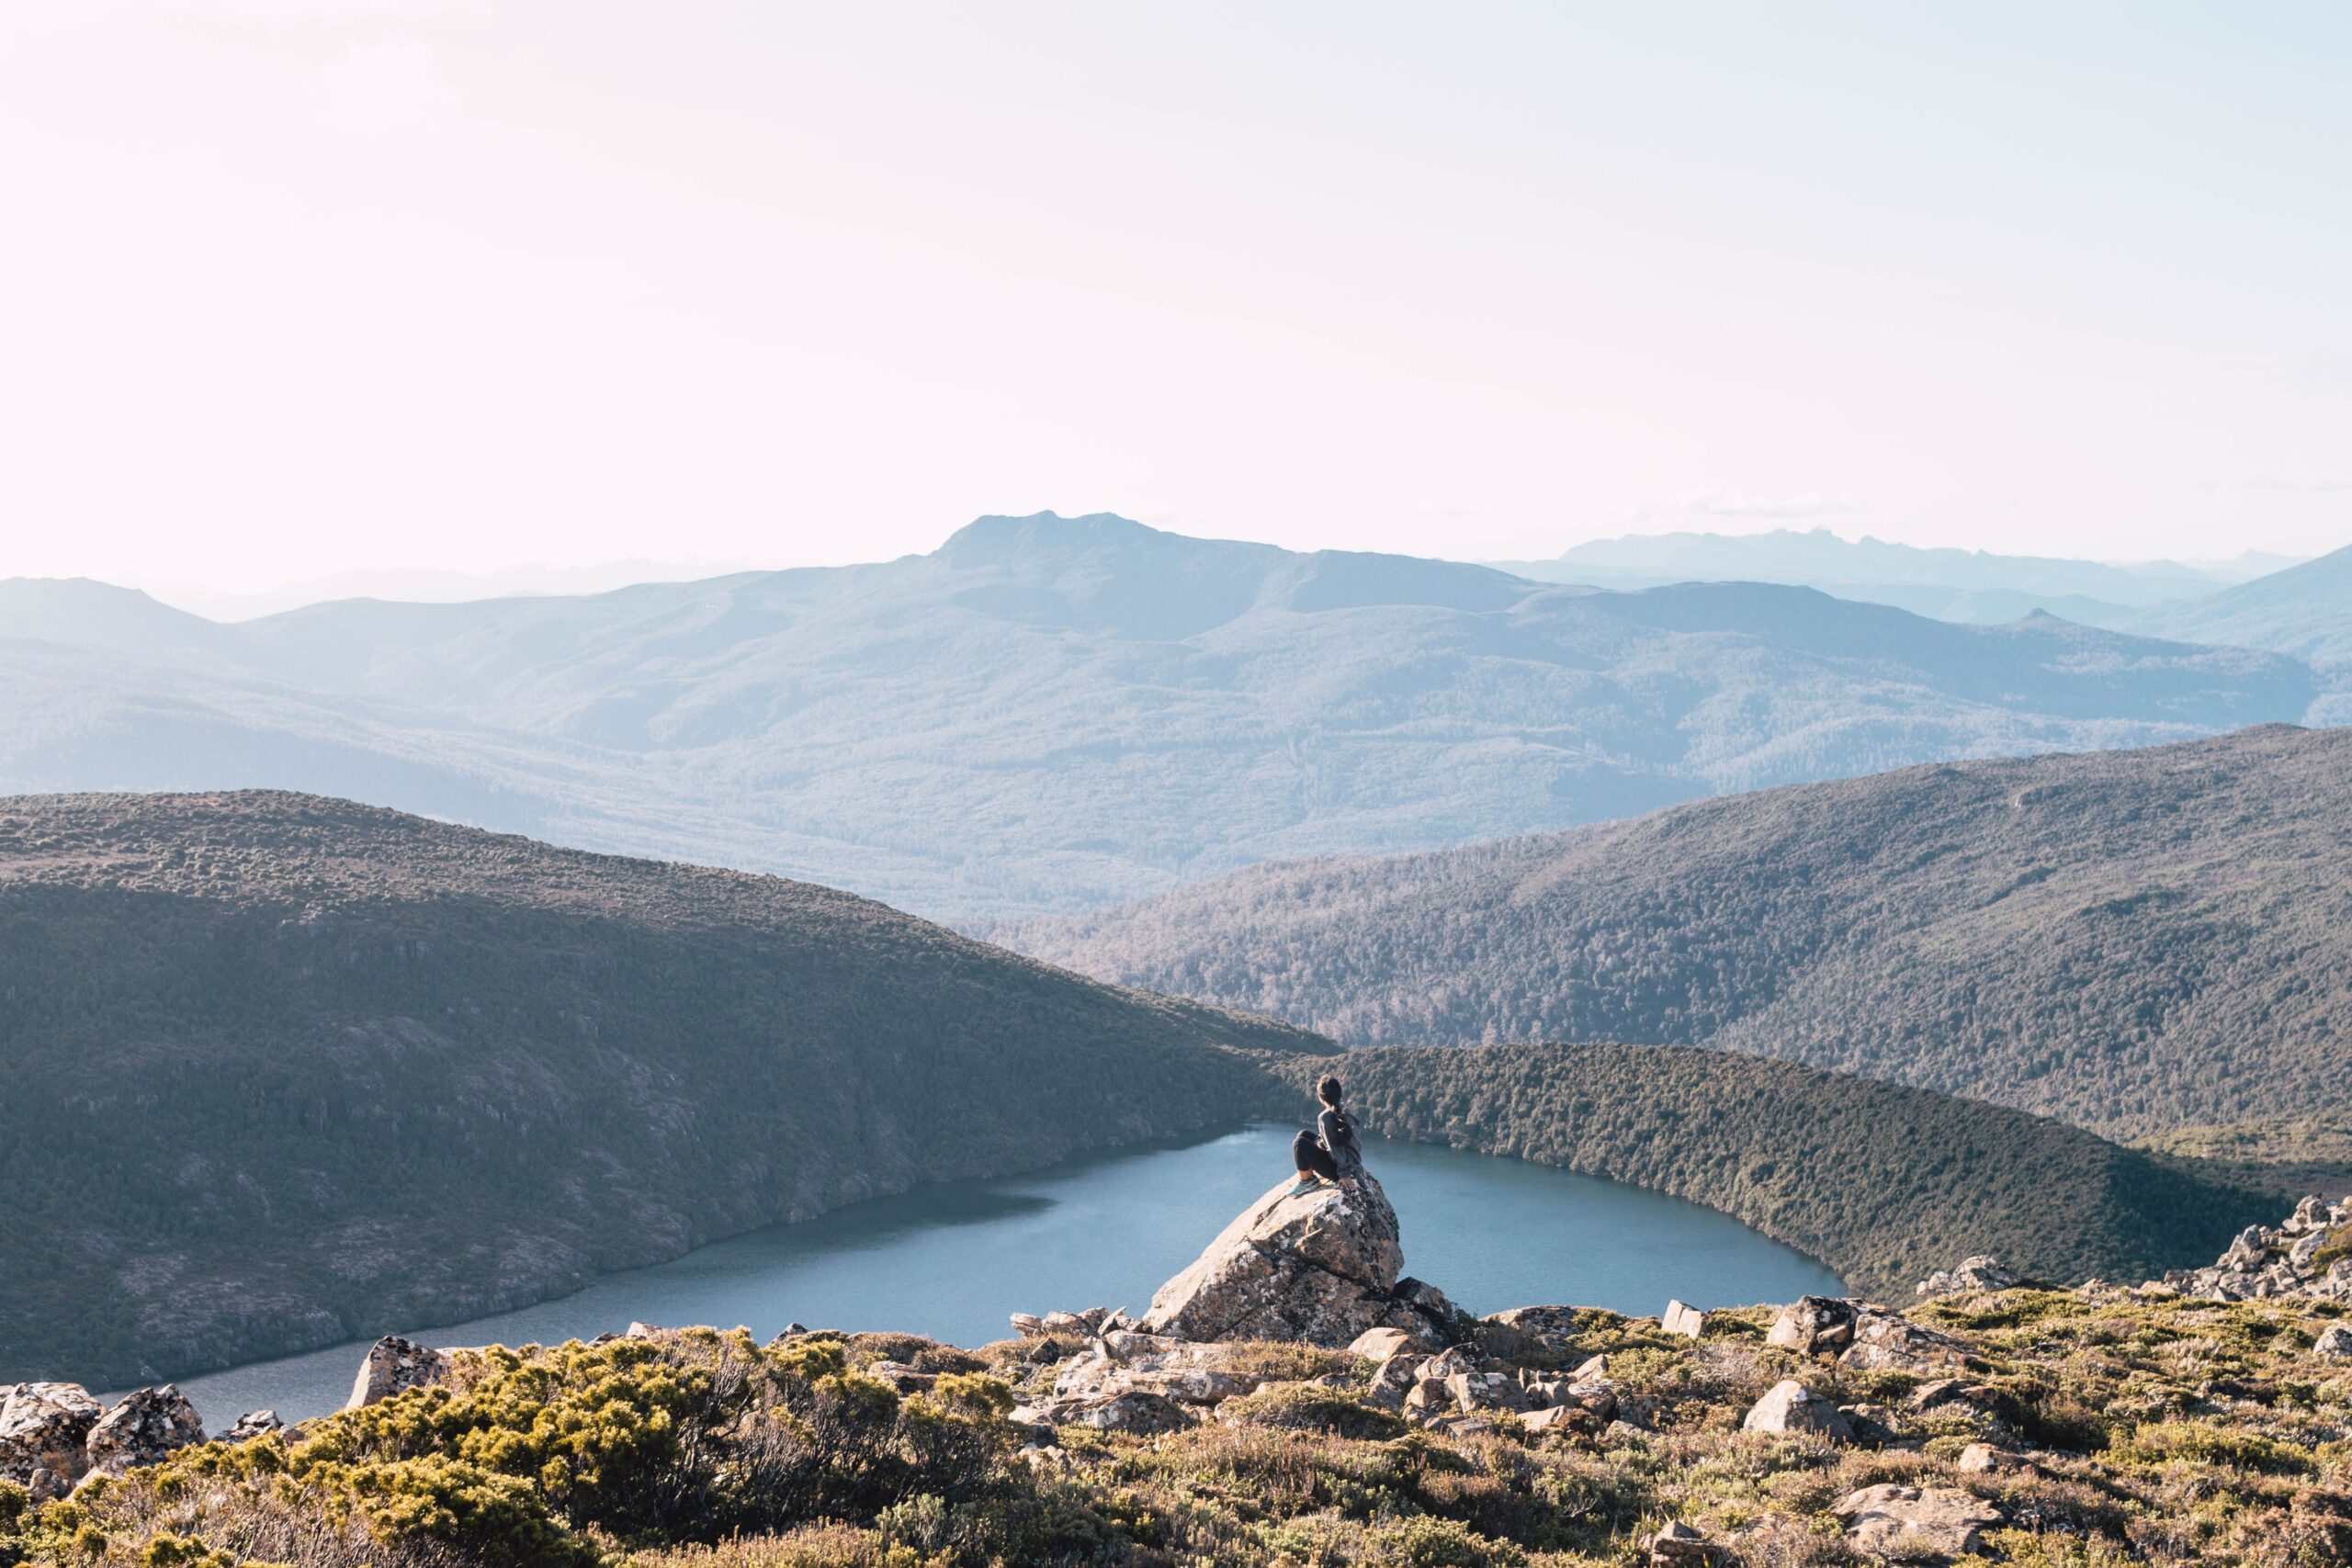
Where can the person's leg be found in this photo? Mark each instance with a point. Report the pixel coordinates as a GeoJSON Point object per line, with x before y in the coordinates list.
{"type": "Point", "coordinates": [1314, 1165]}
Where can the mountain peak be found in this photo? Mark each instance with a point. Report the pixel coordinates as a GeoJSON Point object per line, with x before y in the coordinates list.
{"type": "Point", "coordinates": [997, 538]}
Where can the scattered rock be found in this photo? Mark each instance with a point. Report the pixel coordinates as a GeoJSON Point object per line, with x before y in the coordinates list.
{"type": "Point", "coordinates": [393, 1365]}
{"type": "Point", "coordinates": [1394, 1379]}
{"type": "Point", "coordinates": [1814, 1326]}
{"type": "Point", "coordinates": [1888, 1342]}
{"type": "Point", "coordinates": [1128, 1345]}
{"type": "Point", "coordinates": [141, 1429]}
{"type": "Point", "coordinates": [1381, 1344]}
{"type": "Point", "coordinates": [1791, 1407]}
{"type": "Point", "coordinates": [1553, 1330]}
{"type": "Point", "coordinates": [2334, 1344]}
{"type": "Point", "coordinates": [1503, 1339]}
{"type": "Point", "coordinates": [1984, 1459]}
{"type": "Point", "coordinates": [1687, 1322]}
{"type": "Point", "coordinates": [2267, 1261]}
{"type": "Point", "coordinates": [1141, 1412]}
{"type": "Point", "coordinates": [1485, 1391]}
{"type": "Point", "coordinates": [1912, 1522]}
{"type": "Point", "coordinates": [43, 1429]}
{"type": "Point", "coordinates": [1871, 1422]}
{"type": "Point", "coordinates": [1968, 1274]}
{"type": "Point", "coordinates": [1322, 1268]}
{"type": "Point", "coordinates": [903, 1378]}
{"type": "Point", "coordinates": [1679, 1543]}
{"type": "Point", "coordinates": [253, 1424]}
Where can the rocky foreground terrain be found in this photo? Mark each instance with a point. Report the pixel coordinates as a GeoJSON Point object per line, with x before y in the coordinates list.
{"type": "Point", "coordinates": [1289, 1398]}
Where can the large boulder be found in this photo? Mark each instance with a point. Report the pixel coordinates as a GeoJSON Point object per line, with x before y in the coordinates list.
{"type": "Point", "coordinates": [1912, 1523]}
{"type": "Point", "coordinates": [141, 1429]}
{"type": "Point", "coordinates": [1791, 1408]}
{"type": "Point", "coordinates": [1889, 1342]}
{"type": "Point", "coordinates": [1814, 1326]}
{"type": "Point", "coordinates": [1322, 1267]}
{"type": "Point", "coordinates": [393, 1365]}
{"type": "Point", "coordinates": [43, 1429]}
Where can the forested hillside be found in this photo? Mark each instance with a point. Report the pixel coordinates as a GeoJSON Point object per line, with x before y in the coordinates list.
{"type": "Point", "coordinates": [276, 1070]}
{"type": "Point", "coordinates": [1884, 1183]}
{"type": "Point", "coordinates": [2131, 940]}
{"type": "Point", "coordinates": [1051, 714]}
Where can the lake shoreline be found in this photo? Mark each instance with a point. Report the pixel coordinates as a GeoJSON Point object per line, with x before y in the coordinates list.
{"type": "Point", "coordinates": [1109, 1224]}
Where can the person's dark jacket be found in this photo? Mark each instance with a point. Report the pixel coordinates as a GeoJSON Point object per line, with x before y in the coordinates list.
{"type": "Point", "coordinates": [1336, 1131]}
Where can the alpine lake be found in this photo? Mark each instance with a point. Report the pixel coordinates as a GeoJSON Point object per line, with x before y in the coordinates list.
{"type": "Point", "coordinates": [952, 1259]}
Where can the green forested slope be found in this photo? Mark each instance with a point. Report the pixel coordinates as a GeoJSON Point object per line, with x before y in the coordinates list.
{"type": "Point", "coordinates": [1884, 1183]}
{"type": "Point", "coordinates": [277, 1070]}
{"type": "Point", "coordinates": [2130, 940]}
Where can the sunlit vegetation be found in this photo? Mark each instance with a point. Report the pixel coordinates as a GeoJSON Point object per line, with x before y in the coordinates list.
{"type": "Point", "coordinates": [2144, 1430]}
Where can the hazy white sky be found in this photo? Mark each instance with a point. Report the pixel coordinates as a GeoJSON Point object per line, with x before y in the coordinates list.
{"type": "Point", "coordinates": [295, 287]}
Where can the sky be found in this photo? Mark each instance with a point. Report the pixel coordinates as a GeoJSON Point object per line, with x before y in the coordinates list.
{"type": "Point", "coordinates": [298, 289]}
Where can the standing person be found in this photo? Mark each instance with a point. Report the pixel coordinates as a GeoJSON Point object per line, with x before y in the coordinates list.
{"type": "Point", "coordinates": [1329, 1153]}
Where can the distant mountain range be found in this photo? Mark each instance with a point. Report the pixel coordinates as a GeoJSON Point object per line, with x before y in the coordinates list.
{"type": "Point", "coordinates": [2305, 610]}
{"type": "Point", "coordinates": [1974, 586]}
{"type": "Point", "coordinates": [2130, 940]}
{"type": "Point", "coordinates": [1052, 714]}
{"type": "Point", "coordinates": [427, 585]}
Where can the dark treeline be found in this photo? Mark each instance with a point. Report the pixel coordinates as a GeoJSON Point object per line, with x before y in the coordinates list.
{"type": "Point", "coordinates": [1884, 1183]}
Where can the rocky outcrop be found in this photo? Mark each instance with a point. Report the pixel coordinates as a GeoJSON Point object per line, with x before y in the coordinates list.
{"type": "Point", "coordinates": [2335, 1343]}
{"type": "Point", "coordinates": [1464, 1383]}
{"type": "Point", "coordinates": [142, 1429]}
{"type": "Point", "coordinates": [2310, 1254]}
{"type": "Point", "coordinates": [1969, 1275]}
{"type": "Point", "coordinates": [1814, 1326]}
{"type": "Point", "coordinates": [43, 1429]}
{"type": "Point", "coordinates": [1865, 1338]}
{"type": "Point", "coordinates": [1322, 1268]}
{"type": "Point", "coordinates": [54, 1434]}
{"type": "Point", "coordinates": [1913, 1523]}
{"type": "Point", "coordinates": [253, 1424]}
{"type": "Point", "coordinates": [393, 1365]}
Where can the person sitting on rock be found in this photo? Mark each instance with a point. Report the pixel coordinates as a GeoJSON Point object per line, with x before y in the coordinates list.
{"type": "Point", "coordinates": [1330, 1152]}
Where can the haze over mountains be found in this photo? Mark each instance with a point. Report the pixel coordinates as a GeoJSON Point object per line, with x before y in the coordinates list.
{"type": "Point", "coordinates": [2128, 939]}
{"type": "Point", "coordinates": [2305, 610]}
{"type": "Point", "coordinates": [1976, 586]}
{"type": "Point", "coordinates": [1052, 714]}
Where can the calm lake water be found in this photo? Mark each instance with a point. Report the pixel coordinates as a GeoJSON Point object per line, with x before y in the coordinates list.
{"type": "Point", "coordinates": [950, 1261]}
